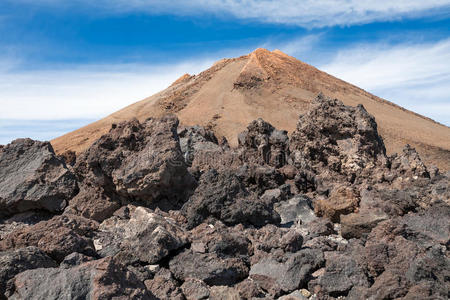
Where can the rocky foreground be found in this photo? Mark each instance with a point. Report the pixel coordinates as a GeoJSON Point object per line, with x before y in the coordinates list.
{"type": "Point", "coordinates": [155, 211]}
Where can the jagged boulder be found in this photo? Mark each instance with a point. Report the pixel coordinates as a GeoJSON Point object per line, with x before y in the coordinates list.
{"type": "Point", "coordinates": [342, 201]}
{"type": "Point", "coordinates": [195, 289]}
{"type": "Point", "coordinates": [195, 139]}
{"type": "Point", "coordinates": [13, 262]}
{"type": "Point", "coordinates": [57, 237]}
{"type": "Point", "coordinates": [271, 238]}
{"type": "Point", "coordinates": [409, 164]}
{"type": "Point", "coordinates": [139, 162]}
{"type": "Point", "coordinates": [296, 210]}
{"type": "Point", "coordinates": [203, 151]}
{"type": "Point", "coordinates": [223, 196]}
{"type": "Point", "coordinates": [208, 267]}
{"type": "Point", "coordinates": [33, 177]}
{"type": "Point", "coordinates": [144, 236]}
{"type": "Point", "coordinates": [341, 274]}
{"type": "Point", "coordinates": [337, 138]}
{"type": "Point", "coordinates": [258, 179]}
{"type": "Point", "coordinates": [221, 240]}
{"type": "Point", "coordinates": [290, 273]}
{"type": "Point", "coordinates": [164, 286]}
{"type": "Point", "coordinates": [262, 143]}
{"type": "Point", "coordinates": [93, 202]}
{"type": "Point", "coordinates": [100, 279]}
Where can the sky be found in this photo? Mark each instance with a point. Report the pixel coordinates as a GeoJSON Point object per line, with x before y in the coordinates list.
{"type": "Point", "coordinates": [64, 64]}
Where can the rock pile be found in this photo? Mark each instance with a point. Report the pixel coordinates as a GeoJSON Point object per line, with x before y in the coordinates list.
{"type": "Point", "coordinates": [33, 178]}
{"type": "Point", "coordinates": [153, 211]}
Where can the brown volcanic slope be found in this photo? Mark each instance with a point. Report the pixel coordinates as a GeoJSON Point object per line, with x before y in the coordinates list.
{"type": "Point", "coordinates": [277, 88]}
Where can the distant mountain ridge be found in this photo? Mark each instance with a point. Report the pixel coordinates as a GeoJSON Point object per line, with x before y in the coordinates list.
{"type": "Point", "coordinates": [277, 88]}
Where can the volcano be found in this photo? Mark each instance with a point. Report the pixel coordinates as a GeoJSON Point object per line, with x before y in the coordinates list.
{"type": "Point", "coordinates": [277, 88]}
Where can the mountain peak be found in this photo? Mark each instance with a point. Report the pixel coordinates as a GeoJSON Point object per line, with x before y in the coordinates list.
{"type": "Point", "coordinates": [265, 52]}
{"type": "Point", "coordinates": [261, 51]}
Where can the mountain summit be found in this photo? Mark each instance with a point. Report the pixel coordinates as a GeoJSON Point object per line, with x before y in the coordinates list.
{"type": "Point", "coordinates": [276, 87]}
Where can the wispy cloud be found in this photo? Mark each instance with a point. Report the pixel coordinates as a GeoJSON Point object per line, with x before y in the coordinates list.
{"type": "Point", "coordinates": [44, 104]}
{"type": "Point", "coordinates": [301, 47]}
{"type": "Point", "coordinates": [83, 91]}
{"type": "Point", "coordinates": [43, 130]}
{"type": "Point", "coordinates": [306, 13]}
{"type": "Point", "coordinates": [415, 76]}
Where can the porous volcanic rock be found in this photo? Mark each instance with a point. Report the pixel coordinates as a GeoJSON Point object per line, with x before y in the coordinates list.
{"type": "Point", "coordinates": [57, 237]}
{"type": "Point", "coordinates": [144, 236]}
{"type": "Point", "coordinates": [13, 262]}
{"type": "Point", "coordinates": [208, 267]}
{"type": "Point", "coordinates": [337, 138]}
{"type": "Point", "coordinates": [259, 178]}
{"type": "Point", "coordinates": [32, 177]}
{"type": "Point", "coordinates": [221, 240]}
{"type": "Point", "coordinates": [93, 202]}
{"type": "Point", "coordinates": [342, 200]}
{"type": "Point", "coordinates": [203, 151]}
{"type": "Point", "coordinates": [100, 279]}
{"type": "Point", "coordinates": [296, 210]}
{"type": "Point", "coordinates": [409, 164]}
{"type": "Point", "coordinates": [194, 139]}
{"type": "Point", "coordinates": [164, 286]}
{"type": "Point", "coordinates": [291, 273]}
{"type": "Point", "coordinates": [140, 162]}
{"type": "Point", "coordinates": [222, 195]}
{"type": "Point", "coordinates": [271, 238]}
{"type": "Point", "coordinates": [262, 143]}
{"type": "Point", "coordinates": [342, 273]}
{"type": "Point", "coordinates": [194, 289]}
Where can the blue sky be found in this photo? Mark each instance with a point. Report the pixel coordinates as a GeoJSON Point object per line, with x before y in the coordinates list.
{"type": "Point", "coordinates": [64, 64]}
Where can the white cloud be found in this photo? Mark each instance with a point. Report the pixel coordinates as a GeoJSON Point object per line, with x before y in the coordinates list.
{"type": "Point", "coordinates": [307, 13]}
{"type": "Point", "coordinates": [44, 104]}
{"type": "Point", "coordinates": [83, 92]}
{"type": "Point", "coordinates": [300, 47]}
{"type": "Point", "coordinates": [38, 129]}
{"type": "Point", "coordinates": [415, 76]}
